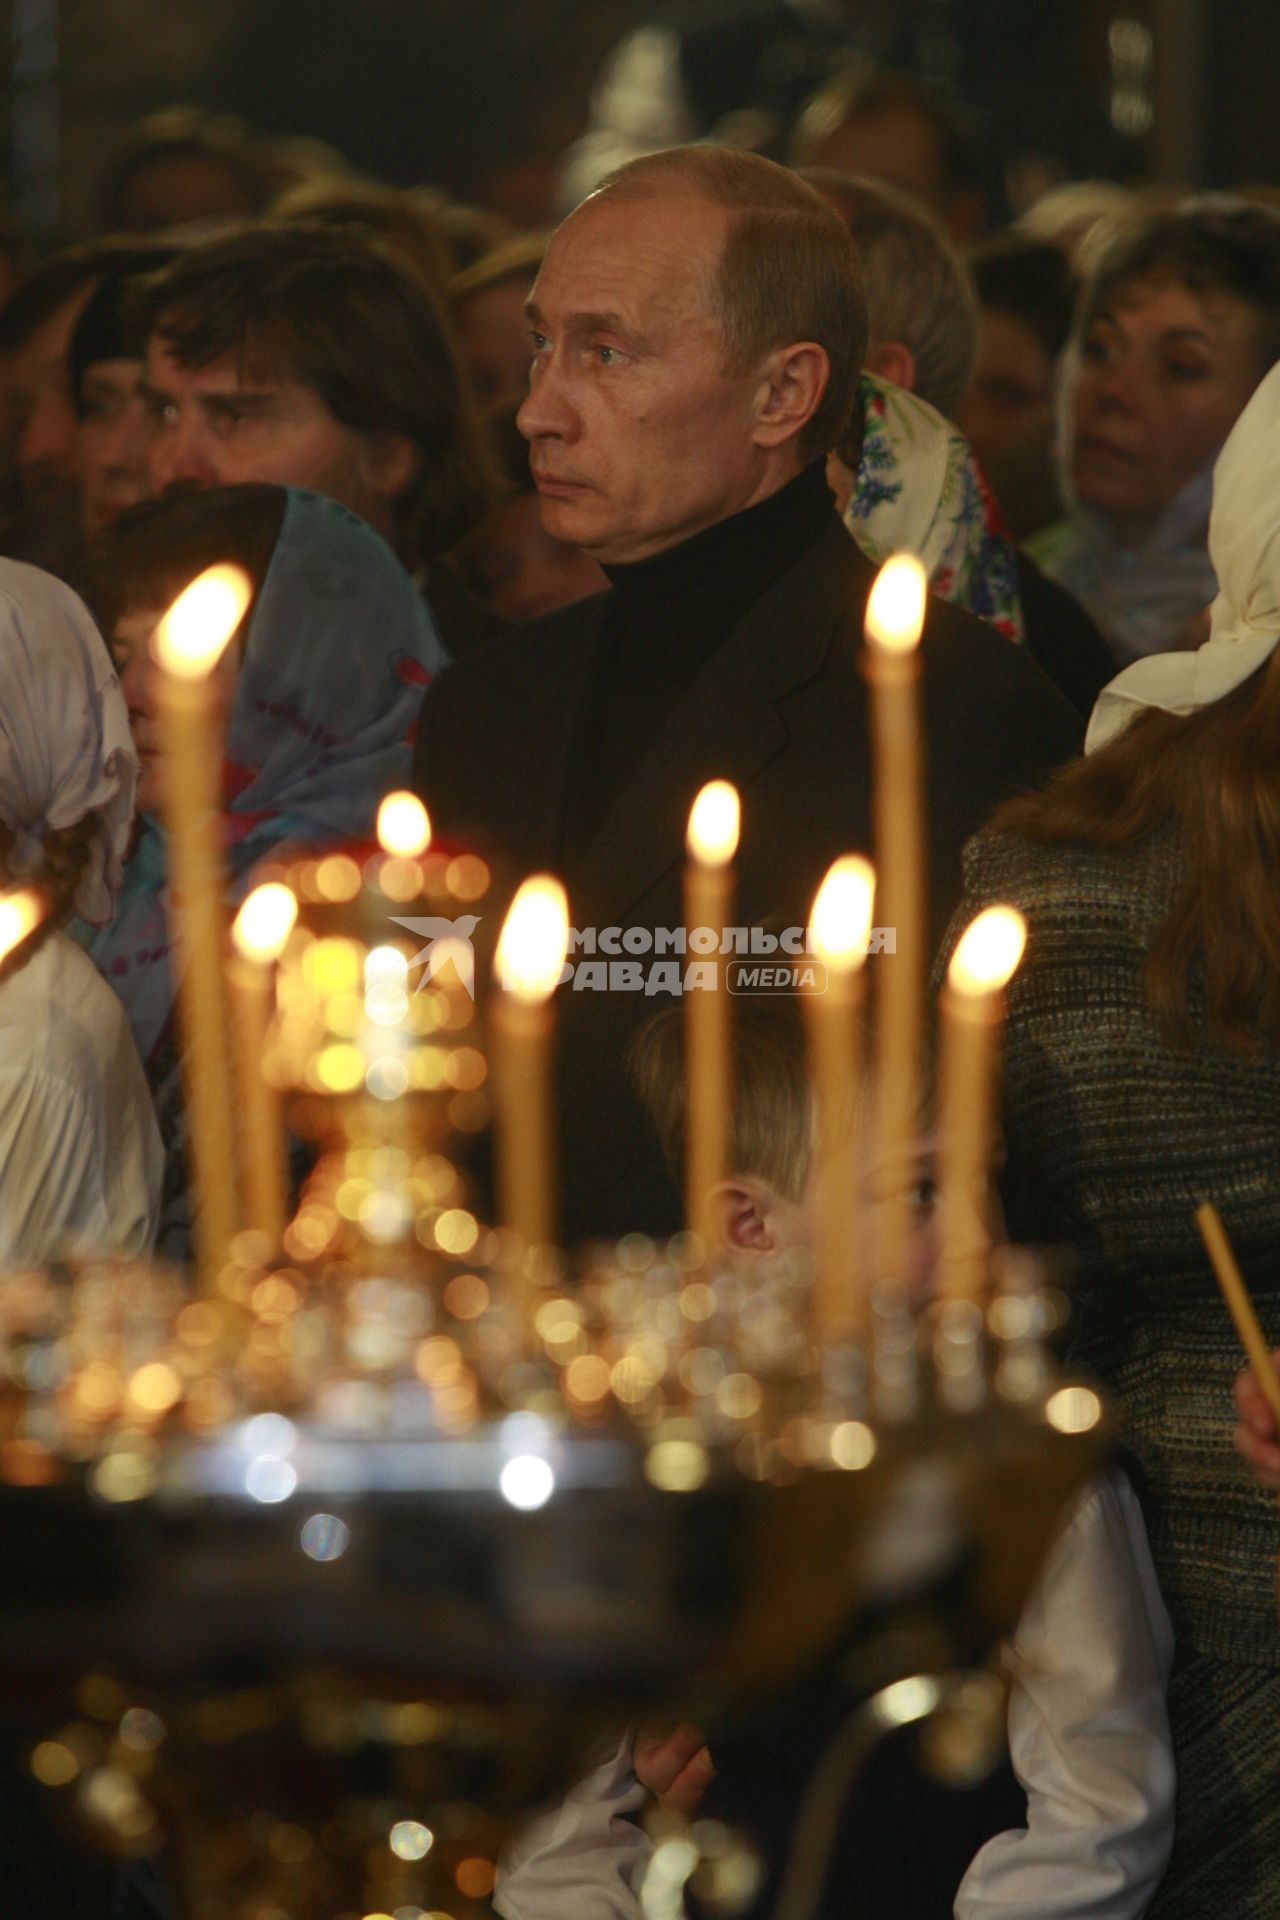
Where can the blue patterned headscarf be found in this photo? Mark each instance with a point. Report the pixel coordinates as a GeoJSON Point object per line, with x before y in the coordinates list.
{"type": "Point", "coordinates": [919, 489]}
{"type": "Point", "coordinates": [338, 652]}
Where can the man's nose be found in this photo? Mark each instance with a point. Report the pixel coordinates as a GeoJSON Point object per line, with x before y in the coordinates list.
{"type": "Point", "coordinates": [546, 412]}
{"type": "Point", "coordinates": [180, 456]}
{"type": "Point", "coordinates": [130, 447]}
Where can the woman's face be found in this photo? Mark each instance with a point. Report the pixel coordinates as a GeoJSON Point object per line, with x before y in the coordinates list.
{"type": "Point", "coordinates": [1164, 372]}
{"type": "Point", "coordinates": [131, 648]}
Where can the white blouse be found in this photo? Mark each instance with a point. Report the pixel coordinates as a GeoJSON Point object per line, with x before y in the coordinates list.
{"type": "Point", "coordinates": [80, 1154]}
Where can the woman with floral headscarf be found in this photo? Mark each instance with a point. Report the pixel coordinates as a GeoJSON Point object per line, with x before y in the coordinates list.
{"type": "Point", "coordinates": [80, 1156]}
{"type": "Point", "coordinates": [1143, 1077]}
{"type": "Point", "coordinates": [319, 694]}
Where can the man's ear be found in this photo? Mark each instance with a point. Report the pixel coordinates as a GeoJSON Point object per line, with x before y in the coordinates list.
{"type": "Point", "coordinates": [743, 1210]}
{"type": "Point", "coordinates": [391, 463]}
{"type": "Point", "coordinates": [792, 383]}
{"type": "Point", "coordinates": [892, 360]}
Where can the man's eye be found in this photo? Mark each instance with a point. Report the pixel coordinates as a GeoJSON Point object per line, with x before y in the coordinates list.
{"type": "Point", "coordinates": [607, 356]}
{"type": "Point", "coordinates": [537, 341]}
{"type": "Point", "coordinates": [1187, 371]}
{"type": "Point", "coordinates": [162, 411]}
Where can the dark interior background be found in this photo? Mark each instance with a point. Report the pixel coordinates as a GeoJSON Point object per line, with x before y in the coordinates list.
{"type": "Point", "coordinates": [478, 96]}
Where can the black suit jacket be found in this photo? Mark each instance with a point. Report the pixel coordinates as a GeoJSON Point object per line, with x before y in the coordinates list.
{"type": "Point", "coordinates": [781, 710]}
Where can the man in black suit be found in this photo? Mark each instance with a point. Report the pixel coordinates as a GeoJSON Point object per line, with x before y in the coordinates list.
{"type": "Point", "coordinates": [697, 330]}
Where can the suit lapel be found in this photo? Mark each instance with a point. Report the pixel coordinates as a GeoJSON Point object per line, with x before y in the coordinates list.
{"type": "Point", "coordinates": [730, 725]}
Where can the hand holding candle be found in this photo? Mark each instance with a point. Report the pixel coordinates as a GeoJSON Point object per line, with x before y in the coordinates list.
{"type": "Point", "coordinates": [712, 841]}
{"type": "Point", "coordinates": [1236, 1294]}
{"type": "Point", "coordinates": [895, 622]}
{"type": "Point", "coordinates": [529, 962]}
{"type": "Point", "coordinates": [187, 646]}
{"type": "Point", "coordinates": [839, 930]}
{"type": "Point", "coordinates": [972, 1002]}
{"type": "Point", "coordinates": [261, 928]}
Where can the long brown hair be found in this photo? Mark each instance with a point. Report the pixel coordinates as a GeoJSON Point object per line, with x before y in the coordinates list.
{"type": "Point", "coordinates": [1216, 773]}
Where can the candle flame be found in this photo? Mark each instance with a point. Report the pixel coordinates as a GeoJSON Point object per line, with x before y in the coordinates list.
{"type": "Point", "coordinates": [20, 915]}
{"type": "Point", "coordinates": [840, 922]}
{"type": "Point", "coordinates": [193, 634]}
{"type": "Point", "coordinates": [403, 826]}
{"type": "Point", "coordinates": [265, 922]}
{"type": "Point", "coordinates": [714, 824]}
{"type": "Point", "coordinates": [895, 608]}
{"type": "Point", "coordinates": [534, 940]}
{"type": "Point", "coordinates": [988, 954]}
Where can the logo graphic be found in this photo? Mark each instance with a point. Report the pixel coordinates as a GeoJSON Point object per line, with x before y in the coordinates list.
{"type": "Point", "coordinates": [448, 942]}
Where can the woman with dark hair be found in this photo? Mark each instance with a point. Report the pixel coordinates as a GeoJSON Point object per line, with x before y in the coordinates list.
{"type": "Point", "coordinates": [1143, 1077]}
{"type": "Point", "coordinates": [320, 692]}
{"type": "Point", "coordinates": [1177, 326]}
{"type": "Point", "coordinates": [79, 1153]}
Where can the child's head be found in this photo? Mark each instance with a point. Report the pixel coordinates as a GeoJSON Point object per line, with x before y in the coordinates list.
{"type": "Point", "coordinates": [767, 1203]}
{"type": "Point", "coordinates": [762, 1206]}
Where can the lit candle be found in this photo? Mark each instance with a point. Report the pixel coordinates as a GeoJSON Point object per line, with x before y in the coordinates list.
{"type": "Point", "coordinates": [895, 621]}
{"type": "Point", "coordinates": [528, 964]}
{"type": "Point", "coordinates": [839, 927]}
{"type": "Point", "coordinates": [259, 933]}
{"type": "Point", "coordinates": [403, 826]}
{"type": "Point", "coordinates": [971, 1006]}
{"type": "Point", "coordinates": [712, 841]}
{"type": "Point", "coordinates": [21, 912]}
{"type": "Point", "coordinates": [186, 646]}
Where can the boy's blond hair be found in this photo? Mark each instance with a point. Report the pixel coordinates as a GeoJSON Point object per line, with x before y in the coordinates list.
{"type": "Point", "coordinates": [772, 1101]}
{"type": "Point", "coordinates": [772, 1136]}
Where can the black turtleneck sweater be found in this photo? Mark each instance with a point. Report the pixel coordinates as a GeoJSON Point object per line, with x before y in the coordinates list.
{"type": "Point", "coordinates": [667, 616]}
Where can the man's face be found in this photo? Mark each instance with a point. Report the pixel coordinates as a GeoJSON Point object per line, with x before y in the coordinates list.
{"type": "Point", "coordinates": [117, 428]}
{"type": "Point", "coordinates": [41, 427]}
{"type": "Point", "coordinates": [217, 427]}
{"type": "Point", "coordinates": [639, 436]}
{"type": "Point", "coordinates": [1009, 415]}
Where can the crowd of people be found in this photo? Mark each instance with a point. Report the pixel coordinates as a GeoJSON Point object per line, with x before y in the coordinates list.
{"type": "Point", "coordinates": [556, 526]}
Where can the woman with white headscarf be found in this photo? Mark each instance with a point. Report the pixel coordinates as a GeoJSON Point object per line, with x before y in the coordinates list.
{"type": "Point", "coordinates": [1143, 1077]}
{"type": "Point", "coordinates": [80, 1156]}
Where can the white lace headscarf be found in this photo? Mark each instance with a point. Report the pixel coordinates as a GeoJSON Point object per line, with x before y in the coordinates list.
{"type": "Point", "coordinates": [65, 747]}
{"type": "Point", "coordinates": [1244, 621]}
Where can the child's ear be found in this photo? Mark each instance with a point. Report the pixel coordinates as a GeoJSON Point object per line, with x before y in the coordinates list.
{"type": "Point", "coordinates": [744, 1210]}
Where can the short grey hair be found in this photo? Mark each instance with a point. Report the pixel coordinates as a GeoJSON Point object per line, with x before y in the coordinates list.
{"type": "Point", "coordinates": [919, 290]}
{"type": "Point", "coordinates": [789, 270]}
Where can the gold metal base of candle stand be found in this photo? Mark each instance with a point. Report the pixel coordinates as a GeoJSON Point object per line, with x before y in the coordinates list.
{"type": "Point", "coordinates": [283, 1598]}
